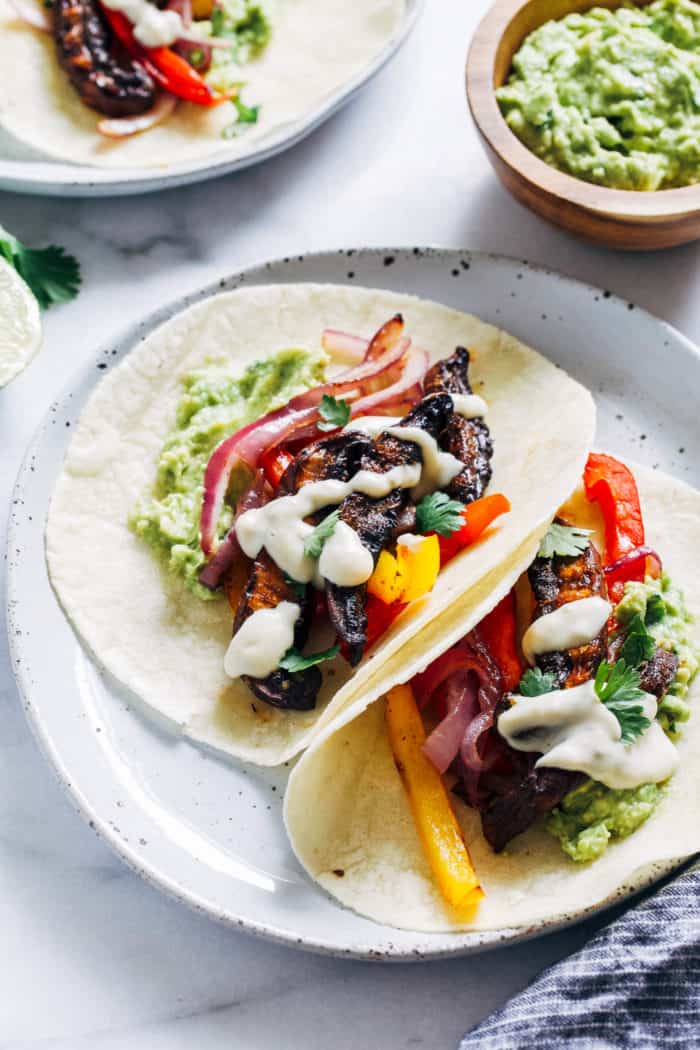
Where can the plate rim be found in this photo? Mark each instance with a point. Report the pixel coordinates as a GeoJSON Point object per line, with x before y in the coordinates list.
{"type": "Point", "coordinates": [54, 177]}
{"type": "Point", "coordinates": [468, 942]}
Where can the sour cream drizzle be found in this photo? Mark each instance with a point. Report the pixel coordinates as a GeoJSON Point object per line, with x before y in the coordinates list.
{"type": "Point", "coordinates": [151, 26]}
{"type": "Point", "coordinates": [569, 626]}
{"type": "Point", "coordinates": [258, 646]}
{"type": "Point", "coordinates": [575, 731]}
{"type": "Point", "coordinates": [469, 406]}
{"type": "Point", "coordinates": [344, 559]}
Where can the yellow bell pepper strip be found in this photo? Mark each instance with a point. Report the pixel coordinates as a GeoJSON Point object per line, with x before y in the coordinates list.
{"type": "Point", "coordinates": [436, 824]}
{"type": "Point", "coordinates": [409, 574]}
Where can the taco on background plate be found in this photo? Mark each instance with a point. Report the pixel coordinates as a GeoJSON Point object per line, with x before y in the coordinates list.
{"type": "Point", "coordinates": [538, 750]}
{"type": "Point", "coordinates": [282, 487]}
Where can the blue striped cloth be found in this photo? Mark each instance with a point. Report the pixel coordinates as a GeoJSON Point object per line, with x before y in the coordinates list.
{"type": "Point", "coordinates": [635, 985]}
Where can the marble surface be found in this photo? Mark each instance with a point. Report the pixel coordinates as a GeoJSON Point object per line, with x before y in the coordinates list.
{"type": "Point", "coordinates": [92, 956]}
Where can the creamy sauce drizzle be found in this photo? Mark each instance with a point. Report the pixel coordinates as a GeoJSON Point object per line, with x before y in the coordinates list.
{"type": "Point", "coordinates": [575, 731]}
{"type": "Point", "coordinates": [569, 626]}
{"type": "Point", "coordinates": [469, 406]}
{"type": "Point", "coordinates": [344, 560]}
{"type": "Point", "coordinates": [151, 26]}
{"type": "Point", "coordinates": [258, 646]}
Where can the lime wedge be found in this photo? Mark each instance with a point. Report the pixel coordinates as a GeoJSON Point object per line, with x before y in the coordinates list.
{"type": "Point", "coordinates": [20, 324]}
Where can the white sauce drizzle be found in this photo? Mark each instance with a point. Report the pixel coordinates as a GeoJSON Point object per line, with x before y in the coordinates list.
{"type": "Point", "coordinates": [344, 560]}
{"type": "Point", "coordinates": [569, 626]}
{"type": "Point", "coordinates": [439, 468]}
{"type": "Point", "coordinates": [258, 646]}
{"type": "Point", "coordinates": [575, 731]}
{"type": "Point", "coordinates": [469, 406]}
{"type": "Point", "coordinates": [280, 528]}
{"type": "Point", "coordinates": [151, 26]}
{"type": "Point", "coordinates": [372, 426]}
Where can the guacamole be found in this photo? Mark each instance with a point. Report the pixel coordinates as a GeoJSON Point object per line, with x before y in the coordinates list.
{"type": "Point", "coordinates": [246, 23]}
{"type": "Point", "coordinates": [612, 97]}
{"type": "Point", "coordinates": [214, 404]}
{"type": "Point", "coordinates": [592, 814]}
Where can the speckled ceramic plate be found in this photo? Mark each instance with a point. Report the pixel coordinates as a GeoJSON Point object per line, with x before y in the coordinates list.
{"type": "Point", "coordinates": [209, 831]}
{"type": "Point", "coordinates": [22, 172]}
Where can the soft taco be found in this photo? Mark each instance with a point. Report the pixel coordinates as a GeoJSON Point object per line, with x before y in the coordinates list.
{"type": "Point", "coordinates": [283, 486]}
{"type": "Point", "coordinates": [540, 750]}
{"type": "Point", "coordinates": [136, 83]}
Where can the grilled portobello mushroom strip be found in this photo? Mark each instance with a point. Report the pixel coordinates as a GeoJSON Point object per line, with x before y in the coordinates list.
{"type": "Point", "coordinates": [514, 799]}
{"type": "Point", "coordinates": [104, 75]}
{"type": "Point", "coordinates": [469, 440]}
{"type": "Point", "coordinates": [267, 586]}
{"type": "Point", "coordinates": [376, 520]}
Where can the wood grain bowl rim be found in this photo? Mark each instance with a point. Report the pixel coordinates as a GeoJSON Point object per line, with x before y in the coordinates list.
{"type": "Point", "coordinates": [624, 205]}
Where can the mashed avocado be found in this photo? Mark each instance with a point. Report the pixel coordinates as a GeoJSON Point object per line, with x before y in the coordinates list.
{"type": "Point", "coordinates": [612, 97]}
{"type": "Point", "coordinates": [214, 404]}
{"type": "Point", "coordinates": [247, 24]}
{"type": "Point", "coordinates": [592, 814]}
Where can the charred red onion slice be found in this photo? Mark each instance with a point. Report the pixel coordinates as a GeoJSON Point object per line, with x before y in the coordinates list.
{"type": "Point", "coordinates": [33, 15]}
{"type": "Point", "coordinates": [630, 561]}
{"type": "Point", "coordinates": [343, 346]}
{"type": "Point", "coordinates": [248, 445]}
{"type": "Point", "coordinates": [123, 127]}
{"type": "Point", "coordinates": [228, 550]}
{"type": "Point", "coordinates": [443, 744]}
{"type": "Point", "coordinates": [386, 338]}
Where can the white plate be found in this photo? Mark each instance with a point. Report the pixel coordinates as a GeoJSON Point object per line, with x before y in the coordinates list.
{"type": "Point", "coordinates": [205, 829]}
{"type": "Point", "coordinates": [21, 173]}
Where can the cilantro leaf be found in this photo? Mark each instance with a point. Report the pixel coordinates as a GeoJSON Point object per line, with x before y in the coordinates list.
{"type": "Point", "coordinates": [333, 413]}
{"type": "Point", "coordinates": [52, 275]}
{"type": "Point", "coordinates": [536, 682]}
{"type": "Point", "coordinates": [656, 609]}
{"type": "Point", "coordinates": [617, 686]}
{"type": "Point", "coordinates": [564, 540]}
{"type": "Point", "coordinates": [438, 513]}
{"type": "Point", "coordinates": [247, 115]}
{"type": "Point", "coordinates": [323, 531]}
{"type": "Point", "coordinates": [294, 661]}
{"type": "Point", "coordinates": [639, 645]}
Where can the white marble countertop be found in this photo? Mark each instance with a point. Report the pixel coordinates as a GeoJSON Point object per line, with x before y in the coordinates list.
{"type": "Point", "coordinates": [92, 956]}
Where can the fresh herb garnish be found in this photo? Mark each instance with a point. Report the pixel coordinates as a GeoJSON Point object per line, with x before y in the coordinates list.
{"type": "Point", "coordinates": [247, 115]}
{"type": "Point", "coordinates": [296, 585]}
{"type": "Point", "coordinates": [536, 682]}
{"type": "Point", "coordinates": [566, 541]}
{"type": "Point", "coordinates": [617, 686]}
{"type": "Point", "coordinates": [639, 645]}
{"type": "Point", "coordinates": [333, 413]}
{"type": "Point", "coordinates": [438, 513]}
{"type": "Point", "coordinates": [322, 532]}
{"type": "Point", "coordinates": [218, 21]}
{"type": "Point", "coordinates": [294, 661]}
{"type": "Point", "coordinates": [656, 609]}
{"type": "Point", "coordinates": [52, 274]}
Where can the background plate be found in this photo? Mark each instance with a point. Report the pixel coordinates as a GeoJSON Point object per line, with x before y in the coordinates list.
{"type": "Point", "coordinates": [54, 178]}
{"type": "Point", "coordinates": [205, 829]}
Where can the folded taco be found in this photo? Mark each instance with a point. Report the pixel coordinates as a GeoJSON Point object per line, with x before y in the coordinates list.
{"type": "Point", "coordinates": [283, 486]}
{"type": "Point", "coordinates": [540, 750]}
{"type": "Point", "coordinates": [138, 83]}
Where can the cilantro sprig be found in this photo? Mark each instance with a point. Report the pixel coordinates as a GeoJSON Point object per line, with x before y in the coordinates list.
{"type": "Point", "coordinates": [438, 513]}
{"type": "Point", "coordinates": [333, 413]}
{"type": "Point", "coordinates": [247, 115]}
{"type": "Point", "coordinates": [617, 686]}
{"type": "Point", "coordinates": [323, 531]}
{"type": "Point", "coordinates": [566, 541]}
{"type": "Point", "coordinates": [535, 682]}
{"type": "Point", "coordinates": [52, 274]}
{"type": "Point", "coordinates": [639, 644]}
{"type": "Point", "coordinates": [294, 661]}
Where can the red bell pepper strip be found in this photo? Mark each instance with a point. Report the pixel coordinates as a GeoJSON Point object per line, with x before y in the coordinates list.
{"type": "Point", "coordinates": [477, 517]}
{"type": "Point", "coordinates": [274, 463]}
{"type": "Point", "coordinates": [172, 72]}
{"type": "Point", "coordinates": [498, 632]}
{"type": "Point", "coordinates": [611, 485]}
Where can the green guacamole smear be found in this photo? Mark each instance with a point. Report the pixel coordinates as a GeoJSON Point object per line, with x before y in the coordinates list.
{"type": "Point", "coordinates": [612, 97]}
{"type": "Point", "coordinates": [247, 25]}
{"type": "Point", "coordinates": [214, 404]}
{"type": "Point", "coordinates": [592, 815]}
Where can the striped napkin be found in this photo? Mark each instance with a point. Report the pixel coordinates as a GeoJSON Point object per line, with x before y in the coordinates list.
{"type": "Point", "coordinates": [635, 985]}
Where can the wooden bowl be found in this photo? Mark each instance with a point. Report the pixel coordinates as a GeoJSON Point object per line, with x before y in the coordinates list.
{"type": "Point", "coordinates": [632, 220]}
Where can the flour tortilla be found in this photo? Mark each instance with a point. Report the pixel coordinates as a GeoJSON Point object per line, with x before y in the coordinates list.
{"type": "Point", "coordinates": [346, 809]}
{"type": "Point", "coordinates": [167, 645]}
{"type": "Point", "coordinates": [317, 47]}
